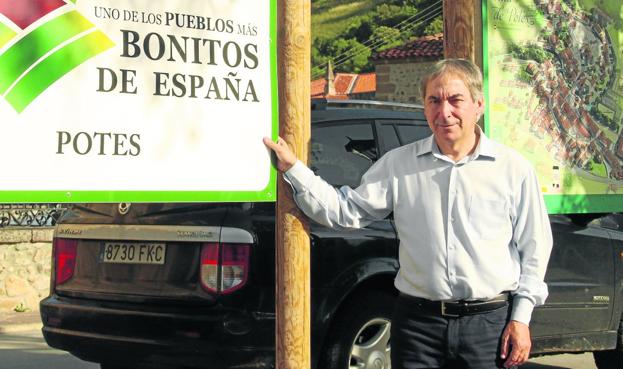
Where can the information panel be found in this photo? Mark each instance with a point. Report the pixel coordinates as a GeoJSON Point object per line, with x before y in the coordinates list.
{"type": "Point", "coordinates": [137, 101]}
{"type": "Point", "coordinates": [555, 93]}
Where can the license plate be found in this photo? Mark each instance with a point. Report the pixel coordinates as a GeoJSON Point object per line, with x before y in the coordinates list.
{"type": "Point", "coordinates": [133, 252]}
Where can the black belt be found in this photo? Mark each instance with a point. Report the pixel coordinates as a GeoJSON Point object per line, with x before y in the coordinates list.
{"type": "Point", "coordinates": [455, 309]}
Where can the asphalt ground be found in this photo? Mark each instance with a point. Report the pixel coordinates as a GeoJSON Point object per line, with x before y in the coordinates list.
{"type": "Point", "coordinates": [27, 322]}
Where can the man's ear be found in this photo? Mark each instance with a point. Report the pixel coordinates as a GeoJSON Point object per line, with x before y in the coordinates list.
{"type": "Point", "coordinates": [481, 106]}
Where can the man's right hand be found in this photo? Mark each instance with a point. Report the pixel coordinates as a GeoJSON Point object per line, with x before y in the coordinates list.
{"type": "Point", "coordinates": [285, 157]}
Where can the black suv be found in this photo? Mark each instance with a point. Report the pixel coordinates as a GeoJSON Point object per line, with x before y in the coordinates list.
{"type": "Point", "coordinates": [192, 285]}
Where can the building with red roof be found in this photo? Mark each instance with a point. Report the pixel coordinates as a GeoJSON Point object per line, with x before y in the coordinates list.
{"type": "Point", "coordinates": [364, 86]}
{"type": "Point", "coordinates": [399, 69]}
{"type": "Point", "coordinates": [344, 86]}
{"type": "Point", "coordinates": [619, 148]}
{"type": "Point", "coordinates": [396, 78]}
{"type": "Point", "coordinates": [580, 127]}
{"type": "Point", "coordinates": [423, 47]}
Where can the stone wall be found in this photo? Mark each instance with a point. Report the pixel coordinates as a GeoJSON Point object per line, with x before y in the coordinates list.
{"type": "Point", "coordinates": [399, 80]}
{"type": "Point", "coordinates": [24, 267]}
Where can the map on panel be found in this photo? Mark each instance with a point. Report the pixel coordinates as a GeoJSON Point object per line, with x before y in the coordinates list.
{"type": "Point", "coordinates": [555, 91]}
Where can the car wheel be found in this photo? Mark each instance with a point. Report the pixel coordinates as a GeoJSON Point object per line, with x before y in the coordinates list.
{"type": "Point", "coordinates": [611, 359]}
{"type": "Point", "coordinates": [360, 335]}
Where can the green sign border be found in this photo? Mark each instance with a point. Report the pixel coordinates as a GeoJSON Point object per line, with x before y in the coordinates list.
{"type": "Point", "coordinates": [267, 194]}
{"type": "Point", "coordinates": [556, 204]}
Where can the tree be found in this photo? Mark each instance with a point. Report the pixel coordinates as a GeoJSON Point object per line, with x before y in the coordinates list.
{"type": "Point", "coordinates": [436, 26]}
{"type": "Point", "coordinates": [350, 55]}
{"type": "Point", "coordinates": [389, 25]}
{"type": "Point", "coordinates": [390, 36]}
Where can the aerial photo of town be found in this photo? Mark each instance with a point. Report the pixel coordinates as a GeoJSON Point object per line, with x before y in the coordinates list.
{"type": "Point", "coordinates": [555, 88]}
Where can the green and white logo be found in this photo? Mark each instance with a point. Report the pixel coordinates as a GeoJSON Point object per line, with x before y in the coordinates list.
{"type": "Point", "coordinates": [40, 42]}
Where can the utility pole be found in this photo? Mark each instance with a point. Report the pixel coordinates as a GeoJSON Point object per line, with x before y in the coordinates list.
{"type": "Point", "coordinates": [459, 29]}
{"type": "Point", "coordinates": [292, 245]}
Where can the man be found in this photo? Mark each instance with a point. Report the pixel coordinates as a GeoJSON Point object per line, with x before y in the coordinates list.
{"type": "Point", "coordinates": [473, 228]}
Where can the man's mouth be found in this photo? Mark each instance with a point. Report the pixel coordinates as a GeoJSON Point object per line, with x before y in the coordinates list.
{"type": "Point", "coordinates": [444, 124]}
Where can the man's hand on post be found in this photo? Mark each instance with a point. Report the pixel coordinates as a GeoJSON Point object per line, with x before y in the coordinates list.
{"type": "Point", "coordinates": [516, 339]}
{"type": "Point", "coordinates": [285, 157]}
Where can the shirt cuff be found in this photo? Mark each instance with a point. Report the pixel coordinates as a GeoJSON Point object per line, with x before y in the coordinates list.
{"type": "Point", "coordinates": [522, 309]}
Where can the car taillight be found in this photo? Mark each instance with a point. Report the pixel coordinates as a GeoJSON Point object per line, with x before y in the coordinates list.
{"type": "Point", "coordinates": [224, 267]}
{"type": "Point", "coordinates": [64, 251]}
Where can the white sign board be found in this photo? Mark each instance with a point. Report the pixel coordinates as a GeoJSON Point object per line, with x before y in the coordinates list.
{"type": "Point", "coordinates": [142, 100]}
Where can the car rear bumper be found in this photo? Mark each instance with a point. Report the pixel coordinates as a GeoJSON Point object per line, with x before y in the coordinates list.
{"type": "Point", "coordinates": [190, 337]}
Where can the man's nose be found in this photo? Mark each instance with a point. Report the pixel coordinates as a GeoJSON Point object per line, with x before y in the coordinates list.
{"type": "Point", "coordinates": [446, 109]}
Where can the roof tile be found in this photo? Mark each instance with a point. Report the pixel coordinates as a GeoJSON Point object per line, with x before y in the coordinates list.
{"type": "Point", "coordinates": [427, 46]}
{"type": "Point", "coordinates": [366, 82]}
{"type": "Point", "coordinates": [345, 84]}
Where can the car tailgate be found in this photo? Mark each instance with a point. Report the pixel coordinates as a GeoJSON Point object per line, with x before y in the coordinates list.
{"type": "Point", "coordinates": [141, 262]}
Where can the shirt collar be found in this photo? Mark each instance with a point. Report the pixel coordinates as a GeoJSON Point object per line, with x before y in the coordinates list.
{"type": "Point", "coordinates": [485, 146]}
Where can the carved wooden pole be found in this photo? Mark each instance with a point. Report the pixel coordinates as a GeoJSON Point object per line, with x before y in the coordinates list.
{"type": "Point", "coordinates": [292, 248]}
{"type": "Point", "coordinates": [458, 29]}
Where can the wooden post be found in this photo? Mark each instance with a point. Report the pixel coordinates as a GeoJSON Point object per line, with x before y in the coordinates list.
{"type": "Point", "coordinates": [292, 247]}
{"type": "Point", "coordinates": [458, 29]}
{"type": "Point", "coordinates": [478, 48]}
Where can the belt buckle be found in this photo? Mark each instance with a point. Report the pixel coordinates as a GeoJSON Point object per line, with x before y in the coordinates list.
{"type": "Point", "coordinates": [444, 313]}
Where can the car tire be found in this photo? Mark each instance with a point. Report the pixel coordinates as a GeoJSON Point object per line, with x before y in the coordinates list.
{"type": "Point", "coordinates": [360, 335]}
{"type": "Point", "coordinates": [611, 359]}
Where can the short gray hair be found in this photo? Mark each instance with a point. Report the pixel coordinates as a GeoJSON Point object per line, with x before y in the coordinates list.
{"type": "Point", "coordinates": [465, 69]}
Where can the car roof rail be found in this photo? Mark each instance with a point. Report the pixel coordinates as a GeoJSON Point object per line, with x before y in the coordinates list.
{"type": "Point", "coordinates": [328, 104]}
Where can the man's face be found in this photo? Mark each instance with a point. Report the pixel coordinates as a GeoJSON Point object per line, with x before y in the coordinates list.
{"type": "Point", "coordinates": [450, 110]}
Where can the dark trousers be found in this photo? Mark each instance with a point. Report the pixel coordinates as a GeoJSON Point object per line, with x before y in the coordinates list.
{"type": "Point", "coordinates": [423, 339]}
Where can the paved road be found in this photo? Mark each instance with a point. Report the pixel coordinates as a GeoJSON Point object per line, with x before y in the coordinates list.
{"type": "Point", "coordinates": [568, 361]}
{"type": "Point", "coordinates": [27, 350]}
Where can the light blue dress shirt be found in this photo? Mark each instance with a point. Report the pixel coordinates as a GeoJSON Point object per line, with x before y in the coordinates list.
{"type": "Point", "coordinates": [468, 230]}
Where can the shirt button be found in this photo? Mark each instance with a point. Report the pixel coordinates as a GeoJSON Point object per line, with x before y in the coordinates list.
{"type": "Point", "coordinates": [452, 219]}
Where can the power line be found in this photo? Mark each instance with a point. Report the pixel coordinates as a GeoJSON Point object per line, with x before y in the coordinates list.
{"type": "Point", "coordinates": [406, 22]}
{"type": "Point", "coordinates": [379, 41]}
{"type": "Point", "coordinates": [378, 44]}
{"type": "Point", "coordinates": [430, 12]}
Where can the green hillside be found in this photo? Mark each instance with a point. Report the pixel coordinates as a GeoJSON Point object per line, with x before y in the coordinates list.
{"type": "Point", "coordinates": [349, 32]}
{"type": "Point", "coordinates": [331, 17]}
